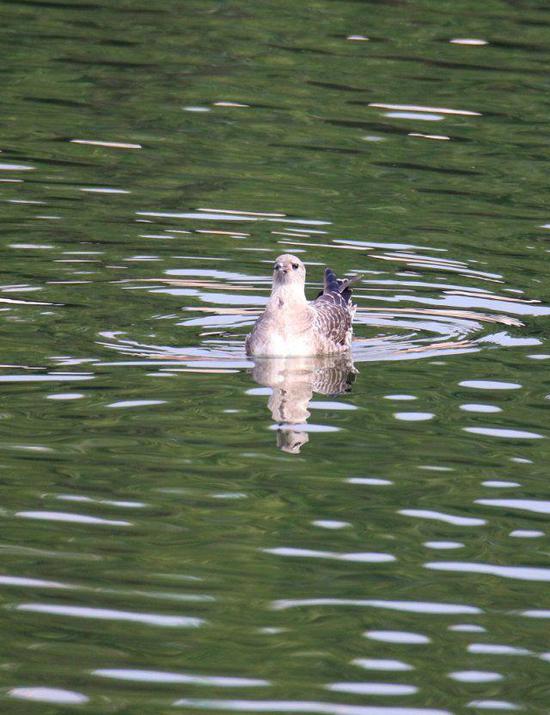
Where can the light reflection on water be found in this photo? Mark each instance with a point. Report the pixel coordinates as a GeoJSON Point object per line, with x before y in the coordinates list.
{"type": "Point", "coordinates": [188, 529]}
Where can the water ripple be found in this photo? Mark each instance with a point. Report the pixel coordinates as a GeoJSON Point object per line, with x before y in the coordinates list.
{"type": "Point", "coordinates": [109, 614]}
{"type": "Point", "coordinates": [32, 582]}
{"type": "Point", "coordinates": [447, 518]}
{"type": "Point", "coordinates": [493, 705]}
{"type": "Point", "coordinates": [399, 637]}
{"type": "Point", "coordinates": [475, 676]}
{"type": "Point", "coordinates": [362, 557]}
{"type": "Point", "coordinates": [381, 664]}
{"type": "Point", "coordinates": [523, 573]}
{"type": "Point", "coordinates": [538, 506]}
{"type": "Point", "coordinates": [154, 676]}
{"type": "Point", "coordinates": [71, 518]}
{"type": "Point", "coordinates": [504, 433]}
{"type": "Point", "coordinates": [59, 696]}
{"type": "Point", "coordinates": [496, 649]}
{"type": "Point", "coordinates": [404, 606]}
{"type": "Point", "coordinates": [302, 706]}
{"type": "Point", "coordinates": [394, 689]}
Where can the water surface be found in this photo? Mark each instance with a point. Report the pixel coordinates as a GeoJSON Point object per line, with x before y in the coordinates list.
{"type": "Point", "coordinates": [185, 529]}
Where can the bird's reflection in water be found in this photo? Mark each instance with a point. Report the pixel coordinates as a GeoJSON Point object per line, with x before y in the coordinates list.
{"type": "Point", "coordinates": [293, 381]}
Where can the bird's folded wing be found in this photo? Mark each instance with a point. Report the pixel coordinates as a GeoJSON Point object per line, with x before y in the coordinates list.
{"type": "Point", "coordinates": [332, 317]}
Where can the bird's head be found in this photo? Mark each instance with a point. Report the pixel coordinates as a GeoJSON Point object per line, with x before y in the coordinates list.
{"type": "Point", "coordinates": [288, 269]}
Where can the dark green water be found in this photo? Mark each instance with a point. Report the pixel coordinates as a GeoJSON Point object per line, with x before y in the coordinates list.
{"type": "Point", "coordinates": [178, 532]}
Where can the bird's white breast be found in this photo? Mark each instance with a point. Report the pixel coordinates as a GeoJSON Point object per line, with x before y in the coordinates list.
{"type": "Point", "coordinates": [282, 344]}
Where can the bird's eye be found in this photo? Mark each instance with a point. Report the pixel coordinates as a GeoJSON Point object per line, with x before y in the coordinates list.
{"type": "Point", "coordinates": [294, 266]}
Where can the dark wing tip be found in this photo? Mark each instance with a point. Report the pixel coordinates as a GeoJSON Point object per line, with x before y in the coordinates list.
{"type": "Point", "coordinates": [331, 281]}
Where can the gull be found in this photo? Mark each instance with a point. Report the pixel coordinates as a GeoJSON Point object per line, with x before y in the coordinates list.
{"type": "Point", "coordinates": [292, 326]}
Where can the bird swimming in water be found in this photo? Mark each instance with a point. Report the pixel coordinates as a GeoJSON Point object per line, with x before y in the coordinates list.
{"type": "Point", "coordinates": [292, 326]}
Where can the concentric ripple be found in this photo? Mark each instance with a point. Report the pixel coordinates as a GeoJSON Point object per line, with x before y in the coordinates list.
{"type": "Point", "coordinates": [407, 307]}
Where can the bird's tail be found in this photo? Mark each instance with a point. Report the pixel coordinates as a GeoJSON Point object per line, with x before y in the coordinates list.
{"type": "Point", "coordinates": [339, 285]}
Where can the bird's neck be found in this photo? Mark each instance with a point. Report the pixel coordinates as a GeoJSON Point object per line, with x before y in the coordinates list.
{"type": "Point", "coordinates": [287, 297]}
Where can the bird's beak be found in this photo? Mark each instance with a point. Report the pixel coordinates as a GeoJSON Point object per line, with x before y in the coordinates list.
{"type": "Point", "coordinates": [281, 268]}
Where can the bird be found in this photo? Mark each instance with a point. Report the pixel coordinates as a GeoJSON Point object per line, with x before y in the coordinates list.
{"type": "Point", "coordinates": [292, 326]}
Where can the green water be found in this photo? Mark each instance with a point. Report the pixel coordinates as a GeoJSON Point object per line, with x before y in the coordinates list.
{"type": "Point", "coordinates": [185, 530]}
